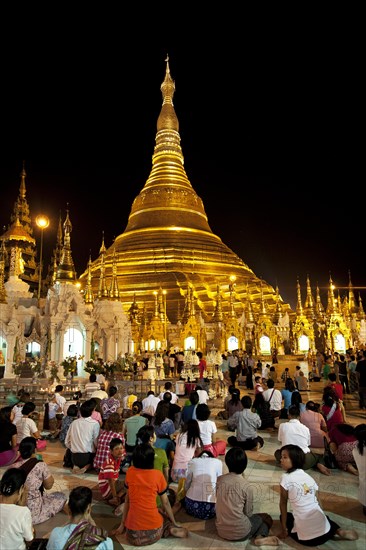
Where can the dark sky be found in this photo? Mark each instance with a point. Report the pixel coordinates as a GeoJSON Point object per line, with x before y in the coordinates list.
{"type": "Point", "coordinates": [268, 133]}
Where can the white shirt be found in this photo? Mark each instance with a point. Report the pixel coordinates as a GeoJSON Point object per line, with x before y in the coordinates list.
{"type": "Point", "coordinates": [60, 399]}
{"type": "Point", "coordinates": [202, 474]}
{"type": "Point", "coordinates": [294, 433]}
{"type": "Point", "coordinates": [26, 427]}
{"type": "Point", "coordinates": [17, 410]}
{"type": "Point", "coordinates": [100, 378]}
{"type": "Point", "coordinates": [82, 435]}
{"type": "Point", "coordinates": [174, 398]}
{"type": "Point", "coordinates": [207, 428]}
{"type": "Point", "coordinates": [150, 402]}
{"type": "Point", "coordinates": [203, 396]}
{"type": "Point", "coordinates": [309, 519]}
{"type": "Point", "coordinates": [100, 394]}
{"type": "Point", "coordinates": [275, 403]}
{"type": "Point", "coordinates": [15, 526]}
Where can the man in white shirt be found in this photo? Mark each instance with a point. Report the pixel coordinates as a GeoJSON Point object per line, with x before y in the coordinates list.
{"type": "Point", "coordinates": [100, 394]}
{"type": "Point", "coordinates": [82, 438]}
{"type": "Point", "coordinates": [202, 394]}
{"type": "Point", "coordinates": [294, 432]}
{"type": "Point", "coordinates": [150, 403]}
{"type": "Point", "coordinates": [274, 397]}
{"type": "Point", "coordinates": [168, 386]}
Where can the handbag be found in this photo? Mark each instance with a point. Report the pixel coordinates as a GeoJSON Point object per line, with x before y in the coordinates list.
{"type": "Point", "coordinates": [328, 457]}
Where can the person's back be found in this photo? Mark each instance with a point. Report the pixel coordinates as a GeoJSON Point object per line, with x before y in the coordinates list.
{"type": "Point", "coordinates": [234, 504]}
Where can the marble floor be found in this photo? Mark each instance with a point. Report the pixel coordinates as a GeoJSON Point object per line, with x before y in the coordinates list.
{"type": "Point", "coordinates": [338, 493]}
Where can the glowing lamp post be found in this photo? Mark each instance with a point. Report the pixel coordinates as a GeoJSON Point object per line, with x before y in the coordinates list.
{"type": "Point", "coordinates": [42, 222]}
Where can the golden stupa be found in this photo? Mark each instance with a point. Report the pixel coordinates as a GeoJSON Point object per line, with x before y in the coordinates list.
{"type": "Point", "coordinates": [168, 245]}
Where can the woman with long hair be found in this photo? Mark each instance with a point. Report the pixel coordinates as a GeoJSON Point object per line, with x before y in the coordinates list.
{"type": "Point", "coordinates": [331, 409]}
{"type": "Point", "coordinates": [187, 443]}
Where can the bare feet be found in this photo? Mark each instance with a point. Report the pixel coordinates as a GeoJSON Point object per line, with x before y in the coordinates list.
{"type": "Point", "coordinates": [352, 470]}
{"type": "Point", "coordinates": [266, 541]}
{"type": "Point", "coordinates": [323, 469]}
{"type": "Point", "coordinates": [347, 534]}
{"type": "Point", "coordinates": [179, 532]}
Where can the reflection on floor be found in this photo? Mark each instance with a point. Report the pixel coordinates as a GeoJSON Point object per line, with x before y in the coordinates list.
{"type": "Point", "coordinates": [338, 493]}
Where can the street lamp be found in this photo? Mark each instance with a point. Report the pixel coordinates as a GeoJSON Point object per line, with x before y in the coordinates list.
{"type": "Point", "coordinates": [42, 222]}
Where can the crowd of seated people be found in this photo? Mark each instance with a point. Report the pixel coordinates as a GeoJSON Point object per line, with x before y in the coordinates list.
{"type": "Point", "coordinates": [168, 444]}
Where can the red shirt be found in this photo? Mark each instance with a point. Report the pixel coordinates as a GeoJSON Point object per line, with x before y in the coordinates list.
{"type": "Point", "coordinates": [109, 470]}
{"type": "Point", "coordinates": [338, 388]}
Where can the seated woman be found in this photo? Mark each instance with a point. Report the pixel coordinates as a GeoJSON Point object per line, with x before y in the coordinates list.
{"type": "Point", "coordinates": [233, 405]}
{"type": "Point", "coordinates": [202, 474]}
{"type": "Point", "coordinates": [81, 526]}
{"type": "Point", "coordinates": [312, 418]}
{"type": "Point", "coordinates": [15, 517]}
{"type": "Point", "coordinates": [189, 409]}
{"type": "Point", "coordinates": [262, 408]}
{"type": "Point", "coordinates": [313, 527]}
{"type": "Point", "coordinates": [331, 409]}
{"type": "Point", "coordinates": [208, 430]}
{"type": "Point", "coordinates": [164, 430]}
{"type": "Point", "coordinates": [342, 442]}
{"type": "Point", "coordinates": [113, 427]}
{"type": "Point", "coordinates": [26, 426]}
{"type": "Point", "coordinates": [42, 505]}
{"type": "Point", "coordinates": [286, 393]}
{"type": "Point", "coordinates": [187, 443]}
{"type": "Point", "coordinates": [110, 404]}
{"type": "Point", "coordinates": [8, 438]}
{"type": "Point", "coordinates": [143, 522]}
{"type": "Point", "coordinates": [296, 399]}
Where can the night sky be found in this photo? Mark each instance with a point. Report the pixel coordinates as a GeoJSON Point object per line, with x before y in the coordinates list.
{"type": "Point", "coordinates": [267, 135]}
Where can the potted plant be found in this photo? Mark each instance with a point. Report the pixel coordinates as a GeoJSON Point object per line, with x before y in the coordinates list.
{"type": "Point", "coordinates": [53, 373]}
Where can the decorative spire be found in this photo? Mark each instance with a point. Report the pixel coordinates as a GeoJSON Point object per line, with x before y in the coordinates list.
{"type": "Point", "coordinates": [278, 313]}
{"type": "Point", "coordinates": [309, 301]}
{"type": "Point", "coordinates": [88, 295]}
{"type": "Point", "coordinates": [299, 310]}
{"type": "Point", "coordinates": [114, 290]}
{"type": "Point", "coordinates": [66, 271]}
{"type": "Point", "coordinates": [351, 296]}
{"type": "Point", "coordinates": [263, 303]}
{"type": "Point", "coordinates": [332, 303]}
{"type": "Point", "coordinates": [319, 308]}
{"type": "Point", "coordinates": [102, 290]}
{"type": "Point", "coordinates": [361, 312]}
